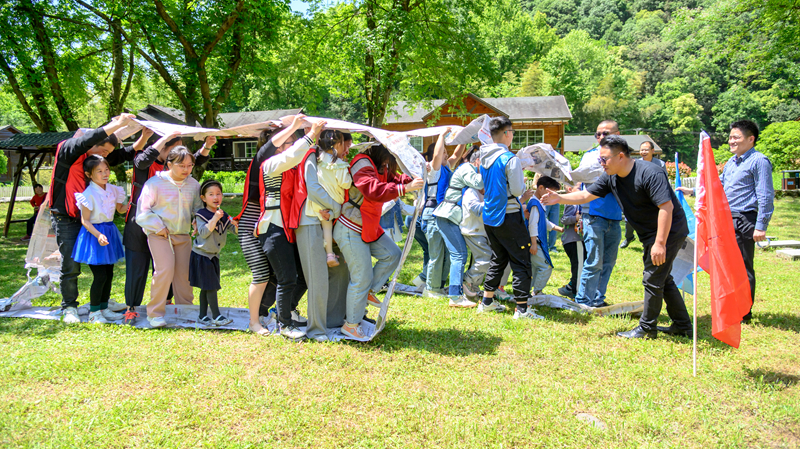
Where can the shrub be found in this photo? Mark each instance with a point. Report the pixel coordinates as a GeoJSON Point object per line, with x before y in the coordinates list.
{"type": "Point", "coordinates": [780, 142]}
{"type": "Point", "coordinates": [685, 170]}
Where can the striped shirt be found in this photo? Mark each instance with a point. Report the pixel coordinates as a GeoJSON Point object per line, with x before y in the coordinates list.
{"type": "Point", "coordinates": [745, 175]}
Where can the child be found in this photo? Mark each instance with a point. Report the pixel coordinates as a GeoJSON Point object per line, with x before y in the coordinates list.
{"type": "Point", "coordinates": [99, 243]}
{"type": "Point", "coordinates": [36, 201]}
{"type": "Point", "coordinates": [538, 227]}
{"type": "Point", "coordinates": [213, 224]}
{"type": "Point", "coordinates": [333, 174]}
{"type": "Point", "coordinates": [573, 245]}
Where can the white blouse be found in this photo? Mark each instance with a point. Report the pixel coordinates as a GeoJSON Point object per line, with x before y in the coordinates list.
{"type": "Point", "coordinates": [102, 202]}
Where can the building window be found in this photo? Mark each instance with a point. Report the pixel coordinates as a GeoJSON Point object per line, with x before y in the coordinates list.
{"type": "Point", "coordinates": [525, 137]}
{"type": "Point", "coordinates": [245, 149]}
{"type": "Point", "coordinates": [416, 142]}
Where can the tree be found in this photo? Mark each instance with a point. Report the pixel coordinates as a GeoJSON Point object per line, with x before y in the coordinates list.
{"type": "Point", "coordinates": [780, 142]}
{"type": "Point", "coordinates": [735, 104]}
{"type": "Point", "coordinates": [389, 49]}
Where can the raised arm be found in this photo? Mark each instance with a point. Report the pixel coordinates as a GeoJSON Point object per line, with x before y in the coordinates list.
{"type": "Point", "coordinates": [453, 160]}
{"type": "Point", "coordinates": [281, 162]}
{"type": "Point", "coordinates": [439, 151]}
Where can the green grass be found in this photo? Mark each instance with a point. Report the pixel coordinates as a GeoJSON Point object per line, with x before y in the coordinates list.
{"type": "Point", "coordinates": [436, 377]}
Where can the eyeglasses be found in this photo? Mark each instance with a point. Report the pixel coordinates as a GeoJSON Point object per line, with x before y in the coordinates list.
{"type": "Point", "coordinates": [509, 131]}
{"type": "Point", "coordinates": [185, 166]}
{"type": "Point", "coordinates": [598, 134]}
{"type": "Point", "coordinates": [603, 160]}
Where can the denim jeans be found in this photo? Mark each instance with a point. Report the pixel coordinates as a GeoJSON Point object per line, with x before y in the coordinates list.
{"type": "Point", "coordinates": [363, 276]}
{"type": "Point", "coordinates": [540, 270]}
{"type": "Point", "coordinates": [419, 237]}
{"type": "Point", "coordinates": [601, 237]}
{"type": "Point", "coordinates": [439, 260]}
{"type": "Point", "coordinates": [553, 214]}
{"type": "Point", "coordinates": [67, 229]}
{"type": "Point", "coordinates": [457, 247]}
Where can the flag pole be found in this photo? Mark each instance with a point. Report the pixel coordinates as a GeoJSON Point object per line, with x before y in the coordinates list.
{"type": "Point", "coordinates": [694, 285]}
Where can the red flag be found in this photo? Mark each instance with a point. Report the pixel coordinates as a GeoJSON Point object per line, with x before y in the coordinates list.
{"type": "Point", "coordinates": [718, 253]}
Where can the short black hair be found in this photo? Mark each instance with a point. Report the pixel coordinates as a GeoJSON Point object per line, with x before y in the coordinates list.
{"type": "Point", "coordinates": [112, 139]}
{"type": "Point", "coordinates": [498, 125]}
{"type": "Point", "coordinates": [616, 144]}
{"type": "Point", "coordinates": [90, 163]}
{"type": "Point", "coordinates": [178, 154]}
{"type": "Point", "coordinates": [747, 127]}
{"type": "Point", "coordinates": [548, 183]}
{"type": "Point", "coordinates": [428, 153]}
{"type": "Point", "coordinates": [652, 147]}
{"type": "Point", "coordinates": [208, 183]}
{"type": "Point", "coordinates": [347, 137]}
{"type": "Point", "coordinates": [612, 123]}
{"type": "Point", "coordinates": [37, 185]}
{"type": "Point", "coordinates": [174, 141]}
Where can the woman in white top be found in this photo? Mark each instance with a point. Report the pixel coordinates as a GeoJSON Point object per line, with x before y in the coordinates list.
{"type": "Point", "coordinates": [165, 212]}
{"type": "Point", "coordinates": [281, 251]}
{"type": "Point", "coordinates": [99, 243]}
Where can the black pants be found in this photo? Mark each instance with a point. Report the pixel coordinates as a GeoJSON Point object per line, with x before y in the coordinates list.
{"type": "Point", "coordinates": [137, 265]}
{"type": "Point", "coordinates": [29, 225]}
{"type": "Point", "coordinates": [268, 297]}
{"type": "Point", "coordinates": [510, 244]}
{"type": "Point", "coordinates": [658, 286]}
{"type": "Point", "coordinates": [575, 263]}
{"type": "Point", "coordinates": [744, 224]}
{"type": "Point", "coordinates": [285, 262]}
{"type": "Point", "coordinates": [101, 286]}
{"type": "Point", "coordinates": [629, 237]}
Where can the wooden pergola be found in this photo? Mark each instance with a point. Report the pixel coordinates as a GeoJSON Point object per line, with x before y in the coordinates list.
{"type": "Point", "coordinates": [33, 149]}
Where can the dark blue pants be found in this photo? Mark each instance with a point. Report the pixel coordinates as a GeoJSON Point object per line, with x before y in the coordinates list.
{"type": "Point", "coordinates": [67, 229]}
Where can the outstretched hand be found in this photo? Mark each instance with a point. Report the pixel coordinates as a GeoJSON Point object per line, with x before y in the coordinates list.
{"type": "Point", "coordinates": [550, 198]}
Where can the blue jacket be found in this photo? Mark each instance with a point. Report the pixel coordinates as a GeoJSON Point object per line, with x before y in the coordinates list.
{"type": "Point", "coordinates": [541, 228]}
{"type": "Point", "coordinates": [495, 184]}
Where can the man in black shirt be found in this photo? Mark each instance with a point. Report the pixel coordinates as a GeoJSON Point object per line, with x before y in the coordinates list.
{"type": "Point", "coordinates": [647, 199]}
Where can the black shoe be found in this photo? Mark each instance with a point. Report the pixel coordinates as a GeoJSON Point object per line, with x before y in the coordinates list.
{"type": "Point", "coordinates": [638, 332]}
{"type": "Point", "coordinates": [370, 320]}
{"type": "Point", "coordinates": [624, 244]}
{"type": "Point", "coordinates": [602, 304]}
{"type": "Point", "coordinates": [672, 330]}
{"type": "Point", "coordinates": [747, 318]}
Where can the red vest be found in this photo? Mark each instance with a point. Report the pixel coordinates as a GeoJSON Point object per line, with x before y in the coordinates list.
{"type": "Point", "coordinates": [75, 183]}
{"type": "Point", "coordinates": [288, 179]}
{"type": "Point", "coordinates": [247, 192]}
{"type": "Point", "coordinates": [370, 210]}
{"type": "Point", "coordinates": [299, 194]}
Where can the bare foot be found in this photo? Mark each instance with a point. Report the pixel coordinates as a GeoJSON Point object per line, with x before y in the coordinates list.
{"type": "Point", "coordinates": [258, 329]}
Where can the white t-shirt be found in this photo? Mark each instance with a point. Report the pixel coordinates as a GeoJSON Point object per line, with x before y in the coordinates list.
{"type": "Point", "coordinates": [102, 202]}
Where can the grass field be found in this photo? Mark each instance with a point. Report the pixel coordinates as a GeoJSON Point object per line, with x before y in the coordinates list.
{"type": "Point", "coordinates": [436, 377]}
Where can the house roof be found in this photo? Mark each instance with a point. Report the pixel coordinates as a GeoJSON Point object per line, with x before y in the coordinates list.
{"type": "Point", "coordinates": [9, 129]}
{"type": "Point", "coordinates": [232, 119]}
{"type": "Point", "coordinates": [577, 144]}
{"type": "Point", "coordinates": [38, 140]}
{"type": "Point", "coordinates": [515, 108]}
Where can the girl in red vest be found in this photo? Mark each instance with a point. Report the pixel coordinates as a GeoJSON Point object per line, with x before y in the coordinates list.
{"type": "Point", "coordinates": [275, 226]}
{"type": "Point", "coordinates": [360, 236]}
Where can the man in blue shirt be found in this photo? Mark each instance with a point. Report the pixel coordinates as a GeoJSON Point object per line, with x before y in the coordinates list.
{"type": "Point", "coordinates": [601, 233]}
{"type": "Point", "coordinates": [747, 180]}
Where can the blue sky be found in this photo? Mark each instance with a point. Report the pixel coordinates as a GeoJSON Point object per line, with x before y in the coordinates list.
{"type": "Point", "coordinates": [299, 6]}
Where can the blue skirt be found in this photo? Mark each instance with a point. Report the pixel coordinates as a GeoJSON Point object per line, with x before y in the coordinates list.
{"type": "Point", "coordinates": [88, 250]}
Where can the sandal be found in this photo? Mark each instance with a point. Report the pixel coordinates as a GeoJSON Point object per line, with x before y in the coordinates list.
{"type": "Point", "coordinates": [205, 321]}
{"type": "Point", "coordinates": [221, 321]}
{"type": "Point", "coordinates": [262, 332]}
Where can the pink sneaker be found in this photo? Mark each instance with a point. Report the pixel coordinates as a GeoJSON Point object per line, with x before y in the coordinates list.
{"type": "Point", "coordinates": [333, 260]}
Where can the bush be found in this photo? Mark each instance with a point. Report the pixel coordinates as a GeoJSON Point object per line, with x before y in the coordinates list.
{"type": "Point", "coordinates": [780, 142]}
{"type": "Point", "coordinates": [225, 177]}
{"type": "Point", "coordinates": [685, 170]}
{"type": "Point", "coordinates": [573, 158]}
{"type": "Point", "coordinates": [3, 162]}
{"type": "Point", "coordinates": [722, 154]}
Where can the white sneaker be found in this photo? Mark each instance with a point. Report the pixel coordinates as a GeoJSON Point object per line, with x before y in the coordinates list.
{"type": "Point", "coordinates": [97, 318]}
{"type": "Point", "coordinates": [71, 316]}
{"type": "Point", "coordinates": [299, 318]}
{"type": "Point", "coordinates": [292, 333]}
{"type": "Point", "coordinates": [114, 306]}
{"type": "Point", "coordinates": [502, 295]}
{"type": "Point", "coordinates": [157, 321]}
{"type": "Point", "coordinates": [111, 316]}
{"type": "Point", "coordinates": [417, 282]}
{"type": "Point", "coordinates": [495, 306]}
{"type": "Point", "coordinates": [529, 314]}
{"type": "Point", "coordinates": [432, 294]}
{"type": "Point", "coordinates": [461, 301]}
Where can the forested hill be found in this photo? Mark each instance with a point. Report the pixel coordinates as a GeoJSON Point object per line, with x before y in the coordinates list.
{"type": "Point", "coordinates": [668, 67]}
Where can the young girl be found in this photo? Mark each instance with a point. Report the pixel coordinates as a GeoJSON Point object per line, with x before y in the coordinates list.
{"type": "Point", "coordinates": [165, 213]}
{"type": "Point", "coordinates": [99, 243]}
{"type": "Point", "coordinates": [213, 224]}
{"type": "Point", "coordinates": [333, 174]}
